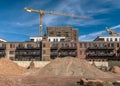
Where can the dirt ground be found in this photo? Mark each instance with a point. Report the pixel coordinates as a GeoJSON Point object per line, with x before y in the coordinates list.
{"type": "Point", "coordinates": [57, 73]}
{"type": "Point", "coordinates": [34, 80]}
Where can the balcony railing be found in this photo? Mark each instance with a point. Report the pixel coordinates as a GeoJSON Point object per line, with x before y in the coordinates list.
{"type": "Point", "coordinates": [27, 48]}
{"type": "Point", "coordinates": [54, 53]}
{"type": "Point", "coordinates": [64, 54]}
{"type": "Point", "coordinates": [27, 54]}
{"type": "Point", "coordinates": [54, 47]}
{"type": "Point", "coordinates": [2, 54]}
{"type": "Point", "coordinates": [91, 48]}
{"type": "Point", "coordinates": [2, 48]}
{"type": "Point", "coordinates": [68, 47]}
{"type": "Point", "coordinates": [73, 54]}
{"type": "Point", "coordinates": [101, 55]}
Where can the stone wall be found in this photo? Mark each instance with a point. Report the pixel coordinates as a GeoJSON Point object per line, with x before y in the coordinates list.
{"type": "Point", "coordinates": [43, 63]}
{"type": "Point", "coordinates": [100, 63]}
{"type": "Point", "coordinates": [39, 64]}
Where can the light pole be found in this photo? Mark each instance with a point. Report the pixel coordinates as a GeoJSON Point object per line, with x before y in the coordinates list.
{"type": "Point", "coordinates": [41, 13]}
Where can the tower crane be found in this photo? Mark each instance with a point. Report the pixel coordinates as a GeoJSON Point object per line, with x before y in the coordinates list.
{"type": "Point", "coordinates": [111, 32]}
{"type": "Point", "coordinates": [42, 13]}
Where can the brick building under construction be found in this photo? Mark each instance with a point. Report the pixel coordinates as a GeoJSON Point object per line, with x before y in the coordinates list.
{"type": "Point", "coordinates": [61, 42]}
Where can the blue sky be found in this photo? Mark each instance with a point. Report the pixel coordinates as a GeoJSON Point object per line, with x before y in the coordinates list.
{"type": "Point", "coordinates": [18, 25]}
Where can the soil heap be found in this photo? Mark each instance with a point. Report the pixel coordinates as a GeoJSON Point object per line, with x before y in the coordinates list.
{"type": "Point", "coordinates": [8, 67]}
{"type": "Point", "coordinates": [70, 66]}
{"type": "Point", "coordinates": [7, 81]}
{"type": "Point", "coordinates": [115, 69]}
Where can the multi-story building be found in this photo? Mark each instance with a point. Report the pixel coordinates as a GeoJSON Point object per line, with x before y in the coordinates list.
{"type": "Point", "coordinates": [68, 32]}
{"type": "Point", "coordinates": [51, 47]}
{"type": "Point", "coordinates": [21, 50]}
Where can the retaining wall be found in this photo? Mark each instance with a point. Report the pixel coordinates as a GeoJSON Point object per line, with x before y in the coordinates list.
{"type": "Point", "coordinates": [27, 63]}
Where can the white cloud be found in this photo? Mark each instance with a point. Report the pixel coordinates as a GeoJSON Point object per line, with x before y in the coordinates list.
{"type": "Point", "coordinates": [115, 27]}
{"type": "Point", "coordinates": [78, 7]}
{"type": "Point", "coordinates": [92, 36]}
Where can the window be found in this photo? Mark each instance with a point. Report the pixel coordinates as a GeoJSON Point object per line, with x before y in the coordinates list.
{"type": "Point", "coordinates": [44, 45]}
{"type": "Point", "coordinates": [21, 45]}
{"type": "Point", "coordinates": [62, 44]}
{"type": "Point", "coordinates": [117, 44]}
{"type": "Point", "coordinates": [29, 45]}
{"type": "Point", "coordinates": [12, 45]}
{"type": "Point", "coordinates": [51, 33]}
{"type": "Point", "coordinates": [110, 39]}
{"type": "Point", "coordinates": [56, 40]}
{"type": "Point", "coordinates": [112, 45]}
{"type": "Point", "coordinates": [32, 40]}
{"type": "Point", "coordinates": [3, 45]}
{"type": "Point", "coordinates": [11, 52]}
{"type": "Point", "coordinates": [115, 39]}
{"type": "Point", "coordinates": [62, 40]}
{"type": "Point", "coordinates": [53, 40]}
{"type": "Point", "coordinates": [108, 44]}
{"type": "Point", "coordinates": [49, 40]}
{"type": "Point", "coordinates": [107, 39]}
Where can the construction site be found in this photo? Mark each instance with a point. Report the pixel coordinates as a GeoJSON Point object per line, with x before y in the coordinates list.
{"type": "Point", "coordinates": [59, 59]}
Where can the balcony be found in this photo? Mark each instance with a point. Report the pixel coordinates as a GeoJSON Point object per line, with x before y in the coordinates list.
{"type": "Point", "coordinates": [2, 54]}
{"type": "Point", "coordinates": [54, 47]}
{"type": "Point", "coordinates": [74, 54]}
{"type": "Point", "coordinates": [28, 48]}
{"type": "Point", "coordinates": [68, 48]}
{"type": "Point", "coordinates": [100, 48]}
{"type": "Point", "coordinates": [2, 48]}
{"type": "Point", "coordinates": [54, 54]}
{"type": "Point", "coordinates": [27, 54]}
{"type": "Point", "coordinates": [63, 54]}
{"type": "Point", "coordinates": [101, 55]}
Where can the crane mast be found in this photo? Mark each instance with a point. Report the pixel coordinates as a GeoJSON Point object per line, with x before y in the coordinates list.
{"type": "Point", "coordinates": [42, 13]}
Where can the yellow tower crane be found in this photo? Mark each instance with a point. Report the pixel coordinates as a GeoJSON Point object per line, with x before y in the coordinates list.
{"type": "Point", "coordinates": [111, 32]}
{"type": "Point", "coordinates": [42, 13]}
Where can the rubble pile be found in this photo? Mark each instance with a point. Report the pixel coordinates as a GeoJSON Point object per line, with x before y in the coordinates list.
{"type": "Point", "coordinates": [8, 67]}
{"type": "Point", "coordinates": [70, 66]}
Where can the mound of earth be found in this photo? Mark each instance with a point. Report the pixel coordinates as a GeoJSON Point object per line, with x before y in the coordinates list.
{"type": "Point", "coordinates": [8, 81]}
{"type": "Point", "coordinates": [8, 67]}
{"type": "Point", "coordinates": [115, 69]}
{"type": "Point", "coordinates": [70, 66]}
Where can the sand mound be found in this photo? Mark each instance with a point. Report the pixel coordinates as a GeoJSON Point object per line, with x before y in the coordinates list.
{"type": "Point", "coordinates": [69, 66]}
{"type": "Point", "coordinates": [115, 69]}
{"type": "Point", "coordinates": [6, 81]}
{"type": "Point", "coordinates": [8, 67]}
